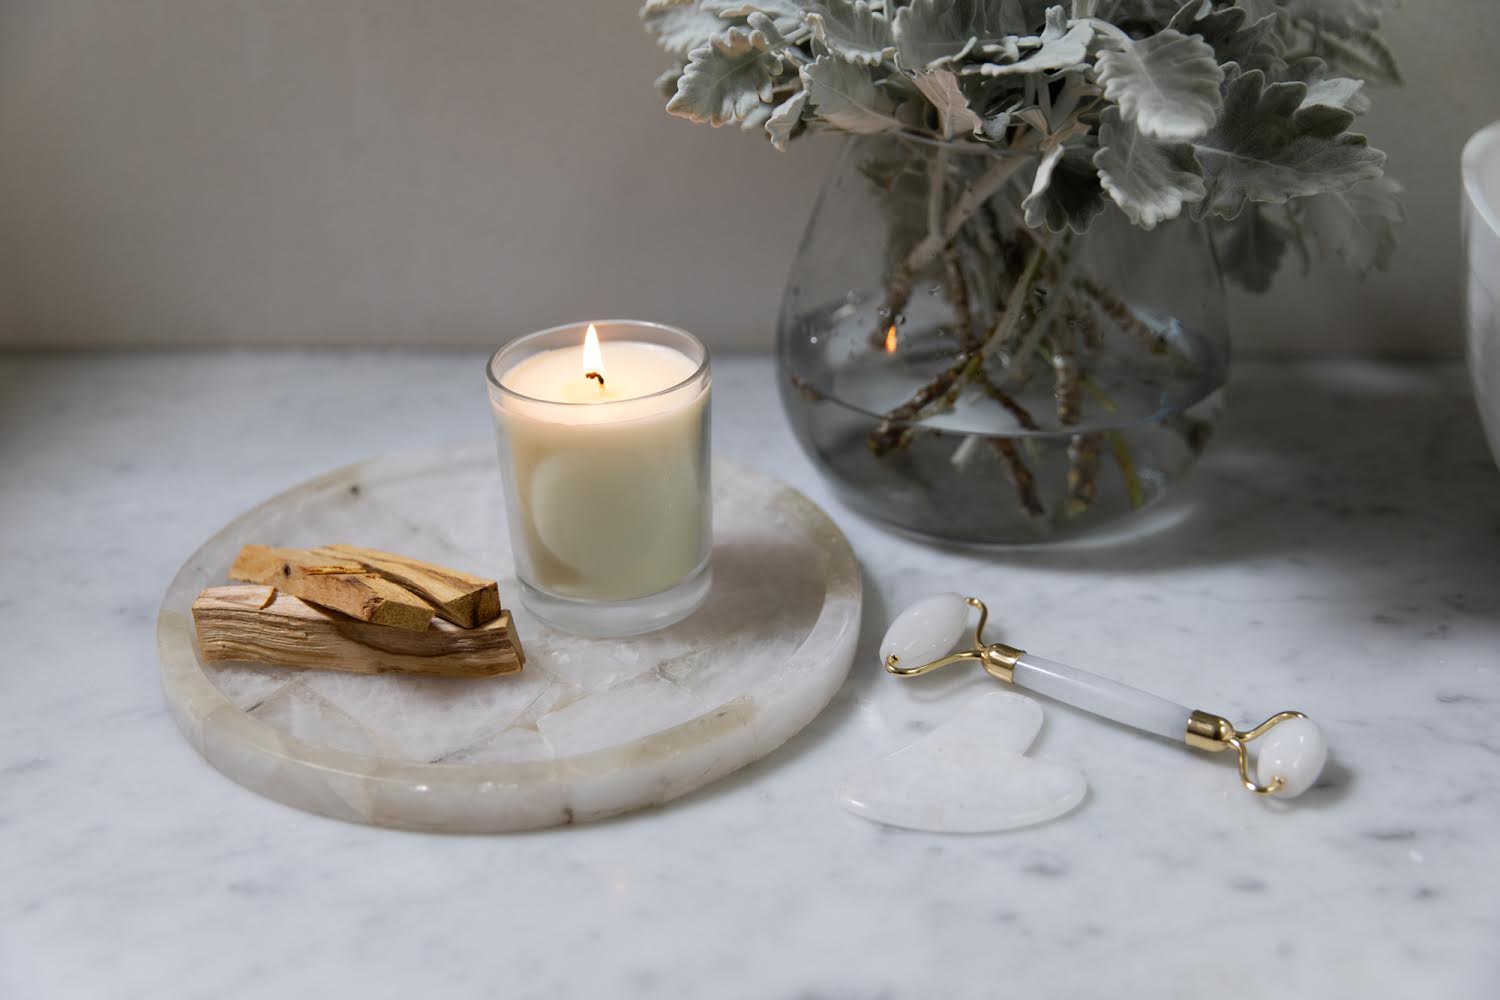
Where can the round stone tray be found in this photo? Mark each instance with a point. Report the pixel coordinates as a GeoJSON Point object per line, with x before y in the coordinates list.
{"type": "Point", "coordinates": [589, 728]}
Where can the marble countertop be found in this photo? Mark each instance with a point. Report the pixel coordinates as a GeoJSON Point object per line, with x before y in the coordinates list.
{"type": "Point", "coordinates": [1338, 552]}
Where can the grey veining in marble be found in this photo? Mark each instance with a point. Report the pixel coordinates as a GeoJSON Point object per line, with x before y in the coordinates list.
{"type": "Point", "coordinates": [1336, 552]}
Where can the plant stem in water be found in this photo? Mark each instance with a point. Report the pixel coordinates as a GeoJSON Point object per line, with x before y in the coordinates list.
{"type": "Point", "coordinates": [1010, 403]}
{"type": "Point", "coordinates": [892, 432]}
{"type": "Point", "coordinates": [1122, 315]}
{"type": "Point", "coordinates": [1021, 475]}
{"type": "Point", "coordinates": [1067, 387]}
{"type": "Point", "coordinates": [1083, 470]}
{"type": "Point", "coordinates": [1015, 304]}
{"type": "Point", "coordinates": [1120, 448]}
{"type": "Point", "coordinates": [969, 201]}
{"type": "Point", "coordinates": [958, 295]}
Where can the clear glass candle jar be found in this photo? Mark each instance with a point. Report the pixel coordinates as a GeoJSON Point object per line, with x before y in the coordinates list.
{"type": "Point", "coordinates": [604, 461]}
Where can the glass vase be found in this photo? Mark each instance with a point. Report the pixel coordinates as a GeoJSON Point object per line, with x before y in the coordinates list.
{"type": "Point", "coordinates": [959, 373]}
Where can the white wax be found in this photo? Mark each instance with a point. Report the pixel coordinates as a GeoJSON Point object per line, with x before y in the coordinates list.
{"type": "Point", "coordinates": [1102, 696]}
{"type": "Point", "coordinates": [631, 369]}
{"type": "Point", "coordinates": [608, 485]}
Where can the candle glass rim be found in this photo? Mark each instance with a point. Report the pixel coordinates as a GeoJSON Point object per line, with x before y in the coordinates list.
{"type": "Point", "coordinates": [497, 384]}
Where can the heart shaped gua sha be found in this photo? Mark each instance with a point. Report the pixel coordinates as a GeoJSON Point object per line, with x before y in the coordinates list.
{"type": "Point", "coordinates": [968, 775]}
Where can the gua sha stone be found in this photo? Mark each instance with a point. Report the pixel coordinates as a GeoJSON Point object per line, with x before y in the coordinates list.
{"type": "Point", "coordinates": [969, 775]}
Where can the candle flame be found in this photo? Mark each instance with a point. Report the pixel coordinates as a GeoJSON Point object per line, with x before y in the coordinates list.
{"type": "Point", "coordinates": [890, 340]}
{"type": "Point", "coordinates": [593, 358]}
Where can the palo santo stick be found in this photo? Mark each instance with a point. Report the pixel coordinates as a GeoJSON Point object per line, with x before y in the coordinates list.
{"type": "Point", "coordinates": [260, 624]}
{"type": "Point", "coordinates": [341, 585]}
{"type": "Point", "coordinates": [462, 598]}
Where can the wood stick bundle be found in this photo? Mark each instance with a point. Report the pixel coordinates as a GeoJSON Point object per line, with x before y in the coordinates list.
{"type": "Point", "coordinates": [341, 607]}
{"type": "Point", "coordinates": [340, 585]}
{"type": "Point", "coordinates": [462, 598]}
{"type": "Point", "coordinates": [262, 624]}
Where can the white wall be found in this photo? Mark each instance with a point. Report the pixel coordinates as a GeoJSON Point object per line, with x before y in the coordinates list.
{"type": "Point", "coordinates": [458, 171]}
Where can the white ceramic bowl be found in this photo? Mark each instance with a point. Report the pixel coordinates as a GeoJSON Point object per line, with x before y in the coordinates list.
{"type": "Point", "coordinates": [1481, 227]}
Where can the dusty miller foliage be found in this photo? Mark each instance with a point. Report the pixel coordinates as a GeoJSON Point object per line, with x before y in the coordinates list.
{"type": "Point", "coordinates": [1239, 111]}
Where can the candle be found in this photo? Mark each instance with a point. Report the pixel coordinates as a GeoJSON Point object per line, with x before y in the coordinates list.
{"type": "Point", "coordinates": [603, 439]}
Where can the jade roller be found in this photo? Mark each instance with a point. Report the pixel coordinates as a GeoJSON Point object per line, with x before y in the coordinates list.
{"type": "Point", "coordinates": [1290, 748]}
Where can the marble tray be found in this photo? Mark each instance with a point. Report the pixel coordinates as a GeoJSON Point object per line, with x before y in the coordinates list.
{"type": "Point", "coordinates": [590, 728]}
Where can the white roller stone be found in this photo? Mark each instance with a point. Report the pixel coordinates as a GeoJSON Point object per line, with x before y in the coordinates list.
{"type": "Point", "coordinates": [926, 631]}
{"type": "Point", "coordinates": [1294, 751]}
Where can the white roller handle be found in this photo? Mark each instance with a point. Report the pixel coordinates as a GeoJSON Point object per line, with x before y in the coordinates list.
{"type": "Point", "coordinates": [1102, 696]}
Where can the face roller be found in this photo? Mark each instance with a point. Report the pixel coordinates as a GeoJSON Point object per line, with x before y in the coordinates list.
{"type": "Point", "coordinates": [1290, 753]}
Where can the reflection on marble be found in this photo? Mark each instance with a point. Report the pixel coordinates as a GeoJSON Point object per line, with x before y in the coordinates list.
{"type": "Point", "coordinates": [589, 728]}
{"type": "Point", "coordinates": [1336, 552]}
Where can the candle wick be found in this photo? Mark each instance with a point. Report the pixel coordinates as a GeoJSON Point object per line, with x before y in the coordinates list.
{"type": "Point", "coordinates": [595, 375]}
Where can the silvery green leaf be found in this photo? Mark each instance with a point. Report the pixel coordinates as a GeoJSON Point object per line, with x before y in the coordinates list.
{"type": "Point", "coordinates": [777, 9]}
{"type": "Point", "coordinates": [666, 84]}
{"type": "Point", "coordinates": [656, 6]}
{"type": "Point", "coordinates": [787, 14]}
{"type": "Point", "coordinates": [1062, 47]}
{"type": "Point", "coordinates": [1363, 55]}
{"type": "Point", "coordinates": [1267, 148]}
{"type": "Point", "coordinates": [1358, 225]}
{"type": "Point", "coordinates": [1192, 10]}
{"type": "Point", "coordinates": [1338, 92]}
{"type": "Point", "coordinates": [845, 97]}
{"type": "Point", "coordinates": [1151, 181]}
{"type": "Point", "coordinates": [1006, 50]}
{"type": "Point", "coordinates": [1343, 17]}
{"type": "Point", "coordinates": [1251, 248]}
{"type": "Point", "coordinates": [1146, 11]}
{"type": "Point", "coordinates": [725, 81]}
{"type": "Point", "coordinates": [1054, 26]}
{"type": "Point", "coordinates": [852, 29]}
{"type": "Point", "coordinates": [1235, 36]}
{"type": "Point", "coordinates": [683, 27]}
{"type": "Point", "coordinates": [1044, 172]}
{"type": "Point", "coordinates": [785, 119]}
{"type": "Point", "coordinates": [1065, 196]}
{"type": "Point", "coordinates": [955, 117]}
{"type": "Point", "coordinates": [1167, 84]}
{"type": "Point", "coordinates": [764, 32]}
{"type": "Point", "coordinates": [755, 117]}
{"type": "Point", "coordinates": [933, 33]}
{"type": "Point", "coordinates": [1322, 119]}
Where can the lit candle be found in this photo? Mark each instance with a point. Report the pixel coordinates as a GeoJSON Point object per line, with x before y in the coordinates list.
{"type": "Point", "coordinates": [603, 451]}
